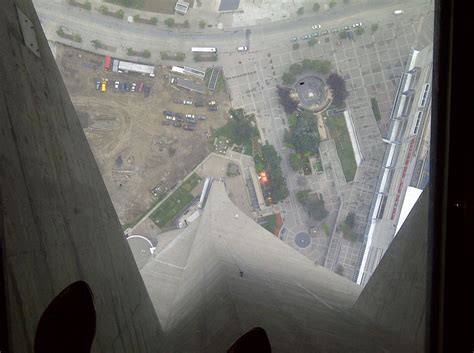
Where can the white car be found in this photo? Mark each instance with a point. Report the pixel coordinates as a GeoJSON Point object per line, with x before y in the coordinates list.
{"type": "Point", "coordinates": [355, 25]}
{"type": "Point", "coordinates": [316, 27]}
{"type": "Point", "coordinates": [117, 84]}
{"type": "Point", "coordinates": [243, 48]}
{"type": "Point", "coordinates": [188, 102]}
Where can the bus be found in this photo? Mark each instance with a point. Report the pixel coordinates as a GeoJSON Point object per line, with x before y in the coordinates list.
{"type": "Point", "coordinates": [203, 50]}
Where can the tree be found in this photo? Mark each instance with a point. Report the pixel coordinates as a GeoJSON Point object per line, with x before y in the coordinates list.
{"type": "Point", "coordinates": [296, 162]}
{"type": "Point", "coordinates": [359, 31]}
{"type": "Point", "coordinates": [339, 270]}
{"type": "Point", "coordinates": [278, 188]}
{"type": "Point", "coordinates": [120, 13]}
{"type": "Point", "coordinates": [136, 18]}
{"type": "Point", "coordinates": [96, 43]}
{"type": "Point", "coordinates": [312, 42]}
{"type": "Point", "coordinates": [103, 9]}
{"type": "Point", "coordinates": [288, 78]}
{"type": "Point", "coordinates": [332, 4]}
{"type": "Point", "coordinates": [202, 24]}
{"type": "Point", "coordinates": [77, 38]}
{"type": "Point", "coordinates": [146, 53]}
{"type": "Point", "coordinates": [169, 22]}
{"type": "Point", "coordinates": [153, 20]}
{"type": "Point", "coordinates": [286, 99]}
{"type": "Point", "coordinates": [350, 219]}
{"type": "Point", "coordinates": [296, 69]}
{"type": "Point", "coordinates": [186, 24]}
{"type": "Point", "coordinates": [60, 31]}
{"type": "Point", "coordinates": [304, 136]}
{"type": "Point", "coordinates": [130, 51]}
{"type": "Point", "coordinates": [313, 204]}
{"type": "Point", "coordinates": [300, 11]}
{"type": "Point", "coordinates": [338, 87]}
{"type": "Point", "coordinates": [296, 46]}
{"type": "Point", "coordinates": [316, 7]}
{"type": "Point", "coordinates": [343, 35]}
{"type": "Point", "coordinates": [374, 27]}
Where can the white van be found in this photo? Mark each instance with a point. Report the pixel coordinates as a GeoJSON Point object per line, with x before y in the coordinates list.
{"type": "Point", "coordinates": [398, 12]}
{"type": "Point", "coordinates": [244, 48]}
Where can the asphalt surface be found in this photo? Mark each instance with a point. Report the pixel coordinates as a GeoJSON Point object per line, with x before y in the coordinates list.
{"type": "Point", "coordinates": [92, 25]}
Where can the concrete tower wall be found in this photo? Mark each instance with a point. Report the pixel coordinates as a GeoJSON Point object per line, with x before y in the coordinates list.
{"type": "Point", "coordinates": [59, 225]}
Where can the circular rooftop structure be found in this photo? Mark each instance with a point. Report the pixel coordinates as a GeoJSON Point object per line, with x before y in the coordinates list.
{"type": "Point", "coordinates": [302, 240]}
{"type": "Point", "coordinates": [311, 92]}
{"type": "Point", "coordinates": [142, 249]}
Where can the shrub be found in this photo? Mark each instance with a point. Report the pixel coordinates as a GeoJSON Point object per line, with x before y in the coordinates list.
{"type": "Point", "coordinates": [169, 22]}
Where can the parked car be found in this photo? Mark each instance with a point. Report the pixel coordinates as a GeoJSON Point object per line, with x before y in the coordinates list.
{"type": "Point", "coordinates": [140, 87]}
{"type": "Point", "coordinates": [212, 108]}
{"type": "Point", "coordinates": [306, 36]}
{"type": "Point", "coordinates": [122, 87]}
{"type": "Point", "coordinates": [191, 116]}
{"type": "Point", "coordinates": [167, 112]}
{"type": "Point", "coordinates": [199, 104]}
{"type": "Point", "coordinates": [189, 127]}
{"type": "Point", "coordinates": [146, 91]}
{"type": "Point", "coordinates": [242, 48]}
{"type": "Point", "coordinates": [103, 86]}
{"type": "Point", "coordinates": [170, 117]}
{"type": "Point", "coordinates": [177, 124]}
{"type": "Point", "coordinates": [346, 28]}
{"type": "Point", "coordinates": [212, 103]}
{"type": "Point", "coordinates": [335, 30]}
{"type": "Point", "coordinates": [185, 102]}
{"type": "Point", "coordinates": [97, 85]}
{"type": "Point", "coordinates": [117, 85]}
{"type": "Point", "coordinates": [201, 117]}
{"type": "Point", "coordinates": [294, 39]}
{"type": "Point", "coordinates": [316, 27]}
{"type": "Point", "coordinates": [134, 87]}
{"type": "Point", "coordinates": [355, 25]}
{"type": "Point", "coordinates": [315, 34]}
{"type": "Point", "coordinates": [323, 33]}
{"type": "Point", "coordinates": [126, 87]}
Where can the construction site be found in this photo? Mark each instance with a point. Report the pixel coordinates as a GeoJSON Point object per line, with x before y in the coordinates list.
{"type": "Point", "coordinates": [136, 149]}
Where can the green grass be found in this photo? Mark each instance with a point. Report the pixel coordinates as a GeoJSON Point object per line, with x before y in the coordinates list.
{"type": "Point", "coordinates": [375, 109]}
{"type": "Point", "coordinates": [338, 130]}
{"type": "Point", "coordinates": [220, 85]}
{"type": "Point", "coordinates": [176, 202]}
{"type": "Point", "coordinates": [268, 222]}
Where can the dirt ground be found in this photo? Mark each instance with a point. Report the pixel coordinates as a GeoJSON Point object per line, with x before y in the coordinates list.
{"type": "Point", "coordinates": [134, 151]}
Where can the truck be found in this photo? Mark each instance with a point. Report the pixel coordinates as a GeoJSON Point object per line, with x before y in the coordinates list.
{"type": "Point", "coordinates": [107, 63]}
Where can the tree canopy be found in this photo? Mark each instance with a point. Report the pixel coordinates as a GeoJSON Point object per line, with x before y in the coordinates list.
{"type": "Point", "coordinates": [278, 188]}
{"type": "Point", "coordinates": [338, 86]}
{"type": "Point", "coordinates": [313, 204]}
{"type": "Point", "coordinates": [304, 136]}
{"type": "Point", "coordinates": [286, 100]}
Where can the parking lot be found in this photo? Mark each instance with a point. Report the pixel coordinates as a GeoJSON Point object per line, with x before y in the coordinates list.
{"type": "Point", "coordinates": [133, 148]}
